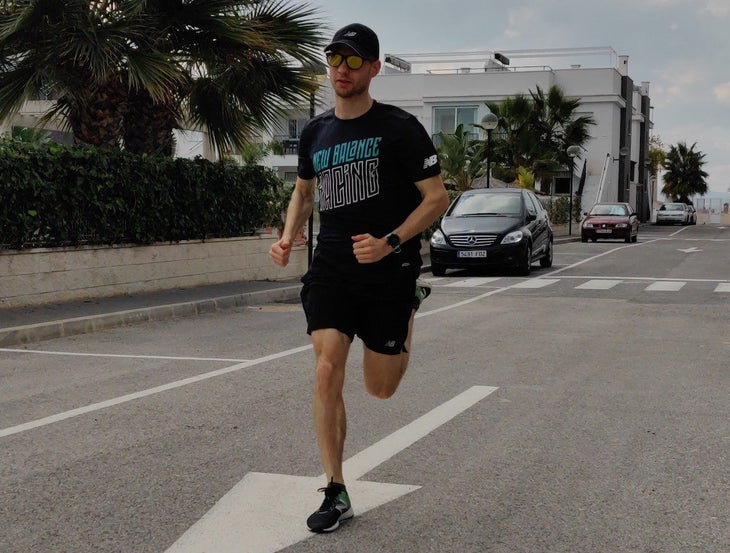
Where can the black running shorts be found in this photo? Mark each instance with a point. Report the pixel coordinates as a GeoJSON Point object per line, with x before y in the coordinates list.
{"type": "Point", "coordinates": [380, 322]}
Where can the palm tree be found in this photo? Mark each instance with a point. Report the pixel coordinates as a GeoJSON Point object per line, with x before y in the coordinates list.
{"type": "Point", "coordinates": [460, 158]}
{"type": "Point", "coordinates": [556, 127]}
{"type": "Point", "coordinates": [684, 176]}
{"type": "Point", "coordinates": [535, 132]}
{"type": "Point", "coordinates": [137, 69]}
{"type": "Point", "coordinates": [513, 142]}
{"type": "Point", "coordinates": [236, 60]}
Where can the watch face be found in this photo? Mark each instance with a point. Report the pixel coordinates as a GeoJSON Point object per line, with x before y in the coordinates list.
{"type": "Point", "coordinates": [393, 240]}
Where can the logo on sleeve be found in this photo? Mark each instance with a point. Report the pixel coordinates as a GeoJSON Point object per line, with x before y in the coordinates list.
{"type": "Point", "coordinates": [430, 161]}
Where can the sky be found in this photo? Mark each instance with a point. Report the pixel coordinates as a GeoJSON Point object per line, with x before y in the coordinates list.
{"type": "Point", "coordinates": [681, 47]}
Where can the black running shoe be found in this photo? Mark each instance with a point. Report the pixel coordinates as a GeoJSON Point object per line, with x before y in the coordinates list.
{"type": "Point", "coordinates": [335, 508]}
{"type": "Point", "coordinates": [423, 290]}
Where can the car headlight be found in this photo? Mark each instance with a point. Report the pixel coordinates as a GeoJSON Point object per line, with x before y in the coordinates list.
{"type": "Point", "coordinates": [513, 237]}
{"type": "Point", "coordinates": [437, 239]}
{"type": "Point", "coordinates": [621, 225]}
{"type": "Point", "coordinates": [587, 225]}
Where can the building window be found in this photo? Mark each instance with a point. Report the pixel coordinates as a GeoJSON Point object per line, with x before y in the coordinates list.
{"type": "Point", "coordinates": [446, 119]}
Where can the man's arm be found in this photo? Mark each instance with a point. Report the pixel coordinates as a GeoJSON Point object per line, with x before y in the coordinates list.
{"type": "Point", "coordinates": [299, 210]}
{"type": "Point", "coordinates": [369, 249]}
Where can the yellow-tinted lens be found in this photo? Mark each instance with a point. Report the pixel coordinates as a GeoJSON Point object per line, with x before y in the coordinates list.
{"type": "Point", "coordinates": [334, 60]}
{"type": "Point", "coordinates": [353, 62]}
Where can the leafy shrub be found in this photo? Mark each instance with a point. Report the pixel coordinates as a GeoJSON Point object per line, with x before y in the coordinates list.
{"type": "Point", "coordinates": [54, 195]}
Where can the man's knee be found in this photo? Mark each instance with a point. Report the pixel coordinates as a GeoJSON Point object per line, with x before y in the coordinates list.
{"type": "Point", "coordinates": [381, 390]}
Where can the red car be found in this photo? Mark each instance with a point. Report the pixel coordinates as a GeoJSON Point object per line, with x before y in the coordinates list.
{"type": "Point", "coordinates": [610, 221]}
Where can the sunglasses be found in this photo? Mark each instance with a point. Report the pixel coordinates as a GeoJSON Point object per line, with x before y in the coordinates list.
{"type": "Point", "coordinates": [352, 62]}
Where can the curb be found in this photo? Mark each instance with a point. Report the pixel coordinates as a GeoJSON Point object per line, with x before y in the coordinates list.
{"type": "Point", "coordinates": [81, 325]}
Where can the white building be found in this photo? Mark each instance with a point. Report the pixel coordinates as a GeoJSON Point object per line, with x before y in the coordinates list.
{"type": "Point", "coordinates": [443, 90]}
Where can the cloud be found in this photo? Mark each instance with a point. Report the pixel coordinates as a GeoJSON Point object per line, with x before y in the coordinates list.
{"type": "Point", "coordinates": [518, 21]}
{"type": "Point", "coordinates": [717, 8]}
{"type": "Point", "coordinates": [722, 93]}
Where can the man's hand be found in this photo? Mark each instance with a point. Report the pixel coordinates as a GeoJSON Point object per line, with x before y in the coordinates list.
{"type": "Point", "coordinates": [280, 250]}
{"type": "Point", "coordinates": [368, 249]}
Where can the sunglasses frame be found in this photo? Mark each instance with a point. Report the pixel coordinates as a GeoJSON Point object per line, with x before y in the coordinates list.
{"type": "Point", "coordinates": [345, 59]}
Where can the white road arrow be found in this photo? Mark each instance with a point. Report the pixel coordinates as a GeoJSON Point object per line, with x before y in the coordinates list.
{"type": "Point", "coordinates": [690, 250]}
{"type": "Point", "coordinates": [246, 520]}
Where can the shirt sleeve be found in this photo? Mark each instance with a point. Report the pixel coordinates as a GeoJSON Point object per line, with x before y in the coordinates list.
{"type": "Point", "coordinates": [423, 161]}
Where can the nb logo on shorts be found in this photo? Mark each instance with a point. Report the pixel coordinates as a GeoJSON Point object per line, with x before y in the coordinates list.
{"type": "Point", "coordinates": [430, 161]}
{"type": "Point", "coordinates": [390, 344]}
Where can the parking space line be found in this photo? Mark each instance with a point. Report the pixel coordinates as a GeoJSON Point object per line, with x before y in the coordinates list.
{"type": "Point", "coordinates": [124, 356]}
{"type": "Point", "coordinates": [536, 283]}
{"type": "Point", "coordinates": [665, 286]}
{"type": "Point", "coordinates": [598, 284]}
{"type": "Point", "coordinates": [470, 282]}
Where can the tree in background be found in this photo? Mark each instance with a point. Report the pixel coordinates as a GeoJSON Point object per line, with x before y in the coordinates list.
{"type": "Point", "coordinates": [656, 155]}
{"type": "Point", "coordinates": [535, 133]}
{"type": "Point", "coordinates": [461, 159]}
{"type": "Point", "coordinates": [131, 71]}
{"type": "Point", "coordinates": [683, 173]}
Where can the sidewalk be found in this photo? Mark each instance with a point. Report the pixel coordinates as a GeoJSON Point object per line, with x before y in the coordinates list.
{"type": "Point", "coordinates": [37, 323]}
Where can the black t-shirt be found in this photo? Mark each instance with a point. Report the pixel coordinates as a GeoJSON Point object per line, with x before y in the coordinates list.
{"type": "Point", "coordinates": [366, 169]}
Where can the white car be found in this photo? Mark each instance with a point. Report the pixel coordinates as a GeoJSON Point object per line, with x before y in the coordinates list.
{"type": "Point", "coordinates": [672, 214]}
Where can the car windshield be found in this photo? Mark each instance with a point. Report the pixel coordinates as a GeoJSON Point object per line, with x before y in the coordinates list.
{"type": "Point", "coordinates": [605, 209]}
{"type": "Point", "coordinates": [507, 205]}
{"type": "Point", "coordinates": [672, 207]}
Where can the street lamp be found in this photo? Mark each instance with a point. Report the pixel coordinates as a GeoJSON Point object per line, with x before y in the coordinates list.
{"type": "Point", "coordinates": [489, 123]}
{"type": "Point", "coordinates": [572, 151]}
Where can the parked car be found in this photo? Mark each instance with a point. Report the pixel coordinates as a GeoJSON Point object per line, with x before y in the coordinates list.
{"type": "Point", "coordinates": [610, 221]}
{"type": "Point", "coordinates": [506, 228]}
{"type": "Point", "coordinates": [692, 214]}
{"type": "Point", "coordinates": [672, 213]}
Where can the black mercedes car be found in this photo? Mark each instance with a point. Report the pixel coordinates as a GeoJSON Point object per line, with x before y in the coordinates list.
{"type": "Point", "coordinates": [493, 227]}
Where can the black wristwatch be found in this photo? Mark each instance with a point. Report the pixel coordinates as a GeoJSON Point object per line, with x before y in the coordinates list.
{"type": "Point", "coordinates": [393, 241]}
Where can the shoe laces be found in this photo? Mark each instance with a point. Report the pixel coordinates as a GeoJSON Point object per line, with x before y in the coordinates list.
{"type": "Point", "coordinates": [331, 492]}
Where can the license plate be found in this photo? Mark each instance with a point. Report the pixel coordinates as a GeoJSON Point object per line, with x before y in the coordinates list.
{"type": "Point", "coordinates": [472, 253]}
{"type": "Point", "coordinates": [603, 231]}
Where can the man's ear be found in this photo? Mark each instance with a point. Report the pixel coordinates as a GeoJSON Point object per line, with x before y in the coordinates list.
{"type": "Point", "coordinates": [375, 68]}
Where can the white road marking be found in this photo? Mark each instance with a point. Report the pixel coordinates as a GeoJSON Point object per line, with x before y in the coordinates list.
{"type": "Point", "coordinates": [122, 356]}
{"type": "Point", "coordinates": [689, 250]}
{"type": "Point", "coordinates": [665, 286]}
{"type": "Point", "coordinates": [598, 284]}
{"type": "Point", "coordinates": [470, 282]}
{"type": "Point", "coordinates": [148, 392]}
{"type": "Point", "coordinates": [245, 520]}
{"type": "Point", "coordinates": [535, 283]}
{"type": "Point", "coordinates": [723, 287]}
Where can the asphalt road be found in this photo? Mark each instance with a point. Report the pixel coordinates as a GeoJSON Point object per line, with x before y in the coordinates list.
{"type": "Point", "coordinates": [600, 423]}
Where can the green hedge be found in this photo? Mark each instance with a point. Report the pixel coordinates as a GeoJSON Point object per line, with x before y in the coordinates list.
{"type": "Point", "coordinates": [53, 195]}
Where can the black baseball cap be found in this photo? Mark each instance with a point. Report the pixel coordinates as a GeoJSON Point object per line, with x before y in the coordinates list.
{"type": "Point", "coordinates": [360, 38]}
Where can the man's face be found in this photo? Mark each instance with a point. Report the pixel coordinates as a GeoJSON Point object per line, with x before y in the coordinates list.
{"type": "Point", "coordinates": [348, 83]}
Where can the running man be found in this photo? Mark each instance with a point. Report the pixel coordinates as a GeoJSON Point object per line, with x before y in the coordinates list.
{"type": "Point", "coordinates": [379, 184]}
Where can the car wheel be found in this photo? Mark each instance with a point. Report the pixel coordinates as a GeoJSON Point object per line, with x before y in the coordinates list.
{"type": "Point", "coordinates": [437, 269]}
{"type": "Point", "coordinates": [628, 239]}
{"type": "Point", "coordinates": [594, 239]}
{"type": "Point", "coordinates": [584, 239]}
{"type": "Point", "coordinates": [523, 268]}
{"type": "Point", "coordinates": [547, 259]}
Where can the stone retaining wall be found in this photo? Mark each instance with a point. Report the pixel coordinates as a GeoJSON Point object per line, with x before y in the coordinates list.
{"type": "Point", "coordinates": [40, 276]}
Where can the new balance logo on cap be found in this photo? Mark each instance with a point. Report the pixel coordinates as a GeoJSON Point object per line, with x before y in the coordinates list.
{"type": "Point", "coordinates": [351, 33]}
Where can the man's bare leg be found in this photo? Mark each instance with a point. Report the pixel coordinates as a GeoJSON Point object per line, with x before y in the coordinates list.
{"type": "Point", "coordinates": [331, 348]}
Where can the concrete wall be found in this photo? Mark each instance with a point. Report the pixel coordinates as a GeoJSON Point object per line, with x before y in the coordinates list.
{"type": "Point", "coordinates": [40, 276]}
